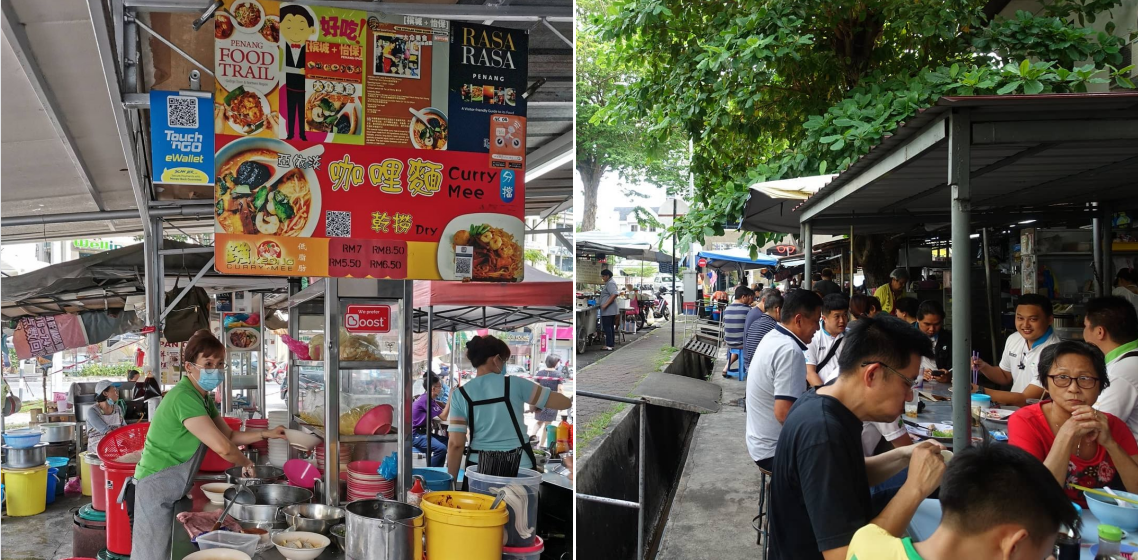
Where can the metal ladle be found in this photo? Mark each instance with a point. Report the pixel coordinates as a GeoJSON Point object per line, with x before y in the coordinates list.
{"type": "Point", "coordinates": [239, 495]}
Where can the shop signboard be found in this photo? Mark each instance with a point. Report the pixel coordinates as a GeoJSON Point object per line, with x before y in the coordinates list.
{"type": "Point", "coordinates": [353, 144]}
{"type": "Point", "coordinates": [363, 319]}
{"type": "Point", "coordinates": [522, 338]}
{"type": "Point", "coordinates": [170, 362]}
{"type": "Point", "coordinates": [783, 250]}
{"type": "Point", "coordinates": [181, 137]}
{"type": "Point", "coordinates": [241, 332]}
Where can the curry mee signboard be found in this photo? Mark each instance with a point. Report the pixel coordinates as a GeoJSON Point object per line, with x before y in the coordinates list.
{"type": "Point", "coordinates": [352, 144]}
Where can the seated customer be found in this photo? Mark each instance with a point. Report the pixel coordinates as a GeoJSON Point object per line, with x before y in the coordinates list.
{"type": "Point", "coordinates": [1111, 325]}
{"type": "Point", "coordinates": [758, 329]}
{"type": "Point", "coordinates": [1022, 351]}
{"type": "Point", "coordinates": [996, 502]}
{"type": "Point", "coordinates": [820, 495]}
{"type": "Point", "coordinates": [735, 322]}
{"type": "Point", "coordinates": [1077, 443]}
{"type": "Point", "coordinates": [906, 310]}
{"type": "Point", "coordinates": [421, 421]}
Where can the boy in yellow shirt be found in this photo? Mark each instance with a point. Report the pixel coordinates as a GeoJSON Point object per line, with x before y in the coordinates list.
{"type": "Point", "coordinates": [997, 501]}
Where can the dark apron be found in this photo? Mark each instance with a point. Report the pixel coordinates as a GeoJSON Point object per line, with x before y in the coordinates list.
{"type": "Point", "coordinates": [504, 400]}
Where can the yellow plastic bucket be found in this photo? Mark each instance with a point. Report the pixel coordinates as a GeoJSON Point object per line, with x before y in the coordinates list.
{"type": "Point", "coordinates": [26, 491]}
{"type": "Point", "coordinates": [461, 526]}
{"type": "Point", "coordinates": [85, 474]}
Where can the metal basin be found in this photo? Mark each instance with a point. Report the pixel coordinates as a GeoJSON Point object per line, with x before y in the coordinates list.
{"type": "Point", "coordinates": [27, 457]}
{"type": "Point", "coordinates": [58, 432]}
{"type": "Point", "coordinates": [314, 518]}
{"type": "Point", "coordinates": [384, 530]}
{"type": "Point", "coordinates": [268, 501]}
{"type": "Point", "coordinates": [262, 474]}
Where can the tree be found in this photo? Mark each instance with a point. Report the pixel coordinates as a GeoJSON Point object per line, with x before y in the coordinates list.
{"type": "Point", "coordinates": [642, 269]}
{"type": "Point", "coordinates": [776, 89]}
{"type": "Point", "coordinates": [534, 256]}
{"type": "Point", "coordinates": [617, 145]}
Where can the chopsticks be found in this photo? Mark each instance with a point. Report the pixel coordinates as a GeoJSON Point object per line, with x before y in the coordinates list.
{"type": "Point", "coordinates": [975, 370]}
{"type": "Point", "coordinates": [1105, 494]}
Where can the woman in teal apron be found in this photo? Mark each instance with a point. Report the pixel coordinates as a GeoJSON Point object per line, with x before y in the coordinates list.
{"type": "Point", "coordinates": [489, 409]}
{"type": "Point", "coordinates": [185, 424]}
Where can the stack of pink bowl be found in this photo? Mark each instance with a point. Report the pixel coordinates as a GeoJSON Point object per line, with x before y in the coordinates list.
{"type": "Point", "coordinates": [364, 482]}
{"type": "Point", "coordinates": [256, 425]}
{"type": "Point", "coordinates": [345, 456]}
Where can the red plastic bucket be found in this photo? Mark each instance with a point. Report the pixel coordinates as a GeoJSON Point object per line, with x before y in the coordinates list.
{"type": "Point", "coordinates": [118, 521]}
{"type": "Point", "coordinates": [212, 462]}
{"type": "Point", "coordinates": [98, 487]}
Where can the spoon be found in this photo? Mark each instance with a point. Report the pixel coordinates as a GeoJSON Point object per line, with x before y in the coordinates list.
{"type": "Point", "coordinates": [498, 499]}
{"type": "Point", "coordinates": [1120, 502]}
{"type": "Point", "coordinates": [426, 120]}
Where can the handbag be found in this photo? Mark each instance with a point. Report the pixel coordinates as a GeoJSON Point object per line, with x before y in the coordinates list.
{"type": "Point", "coordinates": [190, 315]}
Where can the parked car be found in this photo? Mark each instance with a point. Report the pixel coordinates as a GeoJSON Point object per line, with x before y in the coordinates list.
{"type": "Point", "coordinates": [665, 281]}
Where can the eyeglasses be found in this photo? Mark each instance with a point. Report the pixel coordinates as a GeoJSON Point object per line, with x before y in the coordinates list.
{"type": "Point", "coordinates": [908, 382]}
{"type": "Point", "coordinates": [1084, 381]}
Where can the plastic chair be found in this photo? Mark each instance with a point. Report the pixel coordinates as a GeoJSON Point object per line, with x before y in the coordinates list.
{"type": "Point", "coordinates": [739, 368]}
{"type": "Point", "coordinates": [762, 521]}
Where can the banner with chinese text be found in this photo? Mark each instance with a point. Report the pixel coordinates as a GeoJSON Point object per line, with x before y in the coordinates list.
{"type": "Point", "coordinates": [335, 155]}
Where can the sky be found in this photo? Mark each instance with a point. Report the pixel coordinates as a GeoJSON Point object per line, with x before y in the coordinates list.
{"type": "Point", "coordinates": [609, 194]}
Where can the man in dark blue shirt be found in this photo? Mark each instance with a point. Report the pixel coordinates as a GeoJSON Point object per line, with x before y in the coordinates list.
{"type": "Point", "coordinates": [772, 307]}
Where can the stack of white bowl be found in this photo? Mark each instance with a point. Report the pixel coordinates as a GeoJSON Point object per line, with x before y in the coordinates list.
{"type": "Point", "coordinates": [278, 448]}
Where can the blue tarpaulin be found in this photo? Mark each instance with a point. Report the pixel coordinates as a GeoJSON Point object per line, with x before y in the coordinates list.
{"type": "Point", "coordinates": [740, 258]}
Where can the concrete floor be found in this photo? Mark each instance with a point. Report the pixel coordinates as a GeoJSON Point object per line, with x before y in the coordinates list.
{"type": "Point", "coordinates": [46, 536]}
{"type": "Point", "coordinates": [718, 492]}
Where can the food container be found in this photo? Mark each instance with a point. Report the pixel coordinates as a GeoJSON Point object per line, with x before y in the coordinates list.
{"type": "Point", "coordinates": [215, 491]}
{"type": "Point", "coordinates": [227, 539]}
{"type": "Point", "coordinates": [313, 518]}
{"type": "Point", "coordinates": [339, 534]}
{"type": "Point", "coordinates": [26, 457]}
{"type": "Point", "coordinates": [532, 552]}
{"type": "Point", "coordinates": [22, 439]}
{"type": "Point", "coordinates": [527, 486]}
{"type": "Point", "coordinates": [383, 529]}
{"type": "Point", "coordinates": [58, 432]}
{"type": "Point", "coordinates": [263, 537]}
{"type": "Point", "coordinates": [262, 474]}
{"type": "Point", "coordinates": [268, 501]}
{"type": "Point", "coordinates": [319, 540]}
{"type": "Point", "coordinates": [218, 554]}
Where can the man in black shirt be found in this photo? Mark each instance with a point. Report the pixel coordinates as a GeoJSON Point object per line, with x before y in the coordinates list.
{"type": "Point", "coordinates": [930, 320]}
{"type": "Point", "coordinates": [826, 285]}
{"type": "Point", "coordinates": [821, 489]}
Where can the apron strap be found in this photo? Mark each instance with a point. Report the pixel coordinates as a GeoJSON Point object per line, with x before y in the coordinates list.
{"type": "Point", "coordinates": [504, 399]}
{"type": "Point", "coordinates": [524, 441]}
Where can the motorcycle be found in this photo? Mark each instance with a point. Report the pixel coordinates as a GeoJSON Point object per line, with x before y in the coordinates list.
{"type": "Point", "coordinates": [661, 309]}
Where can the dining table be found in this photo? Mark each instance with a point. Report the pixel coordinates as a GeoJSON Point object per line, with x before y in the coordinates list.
{"type": "Point", "coordinates": [936, 398]}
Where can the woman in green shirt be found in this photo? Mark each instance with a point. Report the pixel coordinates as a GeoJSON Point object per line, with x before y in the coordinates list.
{"type": "Point", "coordinates": [184, 425]}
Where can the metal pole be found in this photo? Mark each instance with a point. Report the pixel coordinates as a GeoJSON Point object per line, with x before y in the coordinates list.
{"type": "Point", "coordinates": [1107, 248]}
{"type": "Point", "coordinates": [292, 373]}
{"type": "Point", "coordinates": [332, 392]}
{"type": "Point", "coordinates": [853, 269]}
{"type": "Point", "coordinates": [988, 292]}
{"type": "Point", "coordinates": [261, 352]}
{"type": "Point", "coordinates": [405, 356]}
{"type": "Point", "coordinates": [430, 356]}
{"type": "Point", "coordinates": [1096, 251]}
{"type": "Point", "coordinates": [674, 205]}
{"type": "Point", "coordinates": [959, 162]}
{"type": "Point", "coordinates": [156, 287]}
{"type": "Point", "coordinates": [808, 249]}
{"type": "Point", "coordinates": [640, 482]}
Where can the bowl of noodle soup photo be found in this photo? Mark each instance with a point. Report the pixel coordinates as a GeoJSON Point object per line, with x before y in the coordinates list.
{"type": "Point", "coordinates": [495, 243]}
{"type": "Point", "coordinates": [246, 203]}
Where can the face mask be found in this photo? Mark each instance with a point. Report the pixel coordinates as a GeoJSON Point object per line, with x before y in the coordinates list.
{"type": "Point", "coordinates": [209, 379]}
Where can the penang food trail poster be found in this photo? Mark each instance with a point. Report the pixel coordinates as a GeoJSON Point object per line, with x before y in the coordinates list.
{"type": "Point", "coordinates": [363, 145]}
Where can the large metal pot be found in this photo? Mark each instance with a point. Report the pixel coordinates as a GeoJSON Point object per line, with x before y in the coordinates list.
{"type": "Point", "coordinates": [27, 457]}
{"type": "Point", "coordinates": [268, 500]}
{"type": "Point", "coordinates": [313, 518]}
{"type": "Point", "coordinates": [262, 474]}
{"type": "Point", "coordinates": [58, 432]}
{"type": "Point", "coordinates": [384, 530]}
{"type": "Point", "coordinates": [81, 410]}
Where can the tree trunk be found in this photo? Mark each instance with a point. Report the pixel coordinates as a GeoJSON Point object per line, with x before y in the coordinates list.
{"type": "Point", "coordinates": [877, 255]}
{"type": "Point", "coordinates": [591, 177]}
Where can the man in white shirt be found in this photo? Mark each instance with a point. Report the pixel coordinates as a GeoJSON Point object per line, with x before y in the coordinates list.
{"type": "Point", "coordinates": [822, 352]}
{"type": "Point", "coordinates": [1126, 285]}
{"type": "Point", "coordinates": [1112, 325]}
{"type": "Point", "coordinates": [1019, 364]}
{"type": "Point", "coordinates": [776, 376]}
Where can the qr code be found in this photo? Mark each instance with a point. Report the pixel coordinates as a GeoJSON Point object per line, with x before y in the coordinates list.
{"type": "Point", "coordinates": [338, 224]}
{"type": "Point", "coordinates": [463, 260]}
{"type": "Point", "coordinates": [182, 111]}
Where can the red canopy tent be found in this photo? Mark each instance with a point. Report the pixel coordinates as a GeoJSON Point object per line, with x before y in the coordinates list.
{"type": "Point", "coordinates": [456, 306]}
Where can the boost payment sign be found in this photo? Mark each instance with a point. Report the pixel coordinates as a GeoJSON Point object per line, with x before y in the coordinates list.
{"type": "Point", "coordinates": [362, 319]}
{"type": "Point", "coordinates": [362, 145]}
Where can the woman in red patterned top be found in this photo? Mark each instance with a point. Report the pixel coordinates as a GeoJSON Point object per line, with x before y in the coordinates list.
{"type": "Point", "coordinates": [1077, 443]}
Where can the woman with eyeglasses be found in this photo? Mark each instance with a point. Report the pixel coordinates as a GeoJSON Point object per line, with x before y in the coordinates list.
{"type": "Point", "coordinates": [1077, 443]}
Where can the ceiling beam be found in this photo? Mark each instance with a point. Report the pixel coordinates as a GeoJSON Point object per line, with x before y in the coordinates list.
{"type": "Point", "coordinates": [550, 156]}
{"type": "Point", "coordinates": [563, 14]}
{"type": "Point", "coordinates": [17, 38]}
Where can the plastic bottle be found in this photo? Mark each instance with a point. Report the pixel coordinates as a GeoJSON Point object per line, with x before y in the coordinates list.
{"type": "Point", "coordinates": [1109, 543]}
{"type": "Point", "coordinates": [415, 494]}
{"type": "Point", "coordinates": [563, 435]}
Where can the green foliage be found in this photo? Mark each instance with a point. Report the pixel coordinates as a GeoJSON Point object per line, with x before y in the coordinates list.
{"type": "Point", "coordinates": [534, 256]}
{"type": "Point", "coordinates": [776, 89]}
{"type": "Point", "coordinates": [102, 370]}
{"type": "Point", "coordinates": [642, 269]}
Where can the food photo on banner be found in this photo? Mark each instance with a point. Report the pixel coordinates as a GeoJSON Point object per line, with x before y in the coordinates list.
{"type": "Point", "coordinates": [241, 331]}
{"type": "Point", "coordinates": [334, 147]}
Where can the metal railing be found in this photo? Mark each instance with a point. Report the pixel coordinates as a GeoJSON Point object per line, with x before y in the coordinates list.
{"type": "Point", "coordinates": [638, 505]}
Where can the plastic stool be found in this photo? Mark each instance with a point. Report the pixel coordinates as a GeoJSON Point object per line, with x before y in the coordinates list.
{"type": "Point", "coordinates": [761, 521]}
{"type": "Point", "coordinates": [739, 369]}
{"type": "Point", "coordinates": [690, 308]}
